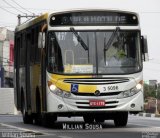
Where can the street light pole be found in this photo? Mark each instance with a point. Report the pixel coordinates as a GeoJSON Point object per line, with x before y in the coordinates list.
{"type": "Point", "coordinates": [25, 16]}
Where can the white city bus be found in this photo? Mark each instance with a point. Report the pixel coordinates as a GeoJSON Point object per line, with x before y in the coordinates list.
{"type": "Point", "coordinates": [80, 63]}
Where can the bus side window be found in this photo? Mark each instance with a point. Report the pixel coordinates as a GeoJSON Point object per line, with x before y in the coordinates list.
{"type": "Point", "coordinates": [37, 50]}
{"type": "Point", "coordinates": [16, 52]}
{"type": "Point", "coordinates": [22, 49]}
{"type": "Point", "coordinates": [32, 51]}
{"type": "Point", "coordinates": [55, 55]}
{"type": "Point", "coordinates": [28, 47]}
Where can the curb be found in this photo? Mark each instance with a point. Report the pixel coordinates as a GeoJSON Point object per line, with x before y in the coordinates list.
{"type": "Point", "coordinates": [148, 115]}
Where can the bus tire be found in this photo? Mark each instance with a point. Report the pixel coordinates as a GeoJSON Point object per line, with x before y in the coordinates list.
{"type": "Point", "coordinates": [99, 119]}
{"type": "Point", "coordinates": [121, 119]}
{"type": "Point", "coordinates": [48, 120]}
{"type": "Point", "coordinates": [27, 119]}
{"type": "Point", "coordinates": [88, 119]}
{"type": "Point", "coordinates": [38, 116]}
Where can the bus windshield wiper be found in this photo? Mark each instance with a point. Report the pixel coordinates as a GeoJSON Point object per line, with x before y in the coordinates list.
{"type": "Point", "coordinates": [106, 46]}
{"type": "Point", "coordinates": [80, 40]}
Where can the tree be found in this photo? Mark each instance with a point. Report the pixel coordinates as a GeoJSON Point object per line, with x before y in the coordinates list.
{"type": "Point", "coordinates": [150, 91]}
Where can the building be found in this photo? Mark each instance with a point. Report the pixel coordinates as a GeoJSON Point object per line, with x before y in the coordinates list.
{"type": "Point", "coordinates": [6, 57]}
{"type": "Point", "coordinates": [150, 105]}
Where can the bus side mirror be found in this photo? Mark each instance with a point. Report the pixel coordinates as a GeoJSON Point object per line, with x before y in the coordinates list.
{"type": "Point", "coordinates": [144, 47]}
{"type": "Point", "coordinates": [41, 40]}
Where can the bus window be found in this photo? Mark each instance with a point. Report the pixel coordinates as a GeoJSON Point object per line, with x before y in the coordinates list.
{"type": "Point", "coordinates": [55, 56]}
{"type": "Point", "coordinates": [37, 50]}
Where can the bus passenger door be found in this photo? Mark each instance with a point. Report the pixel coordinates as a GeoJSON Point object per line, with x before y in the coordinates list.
{"type": "Point", "coordinates": [43, 75]}
{"type": "Point", "coordinates": [28, 90]}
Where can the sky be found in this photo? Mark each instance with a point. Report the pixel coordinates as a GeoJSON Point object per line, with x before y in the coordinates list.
{"type": "Point", "coordinates": [148, 10]}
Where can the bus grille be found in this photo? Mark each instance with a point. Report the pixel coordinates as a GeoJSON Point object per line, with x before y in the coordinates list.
{"type": "Point", "coordinates": [92, 94]}
{"type": "Point", "coordinates": [88, 107]}
{"type": "Point", "coordinates": [96, 81]}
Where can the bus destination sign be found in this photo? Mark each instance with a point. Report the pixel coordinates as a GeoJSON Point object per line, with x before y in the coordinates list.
{"type": "Point", "coordinates": [94, 19]}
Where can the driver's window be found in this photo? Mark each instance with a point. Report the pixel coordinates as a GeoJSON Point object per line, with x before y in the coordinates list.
{"type": "Point", "coordinates": [51, 58]}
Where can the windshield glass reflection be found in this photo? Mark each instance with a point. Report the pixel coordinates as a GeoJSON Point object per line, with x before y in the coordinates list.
{"type": "Point", "coordinates": [67, 55]}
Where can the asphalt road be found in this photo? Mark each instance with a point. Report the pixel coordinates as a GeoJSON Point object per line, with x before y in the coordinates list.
{"type": "Point", "coordinates": [138, 127]}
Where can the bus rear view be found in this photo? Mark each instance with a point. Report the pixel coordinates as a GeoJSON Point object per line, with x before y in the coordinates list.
{"type": "Point", "coordinates": [93, 66]}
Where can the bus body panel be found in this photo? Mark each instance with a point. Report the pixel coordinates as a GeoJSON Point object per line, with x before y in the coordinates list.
{"type": "Point", "coordinates": [80, 102]}
{"type": "Point", "coordinates": [69, 105]}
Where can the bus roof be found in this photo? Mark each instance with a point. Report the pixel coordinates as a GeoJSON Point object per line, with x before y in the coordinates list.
{"type": "Point", "coordinates": [90, 9]}
{"type": "Point", "coordinates": [32, 22]}
{"type": "Point", "coordinates": [46, 15]}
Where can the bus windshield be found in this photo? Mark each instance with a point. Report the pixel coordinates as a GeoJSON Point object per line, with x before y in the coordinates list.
{"type": "Point", "coordinates": [66, 55]}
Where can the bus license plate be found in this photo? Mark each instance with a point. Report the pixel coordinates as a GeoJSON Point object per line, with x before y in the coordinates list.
{"type": "Point", "coordinates": [97, 103]}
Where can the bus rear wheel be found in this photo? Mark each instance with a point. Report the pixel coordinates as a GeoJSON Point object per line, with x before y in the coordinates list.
{"type": "Point", "coordinates": [38, 116]}
{"type": "Point", "coordinates": [27, 119]}
{"type": "Point", "coordinates": [121, 119]}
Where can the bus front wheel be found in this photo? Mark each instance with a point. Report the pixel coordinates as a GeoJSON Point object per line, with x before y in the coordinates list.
{"type": "Point", "coordinates": [88, 118]}
{"type": "Point", "coordinates": [48, 119]}
{"type": "Point", "coordinates": [99, 119]}
{"type": "Point", "coordinates": [121, 119]}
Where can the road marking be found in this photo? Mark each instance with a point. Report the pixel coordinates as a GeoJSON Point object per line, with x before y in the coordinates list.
{"type": "Point", "coordinates": [22, 129]}
{"type": "Point", "coordinates": [64, 137]}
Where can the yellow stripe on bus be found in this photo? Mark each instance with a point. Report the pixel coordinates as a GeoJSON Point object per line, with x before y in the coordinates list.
{"type": "Point", "coordinates": [87, 88]}
{"type": "Point", "coordinates": [58, 80]}
{"type": "Point", "coordinates": [56, 76]}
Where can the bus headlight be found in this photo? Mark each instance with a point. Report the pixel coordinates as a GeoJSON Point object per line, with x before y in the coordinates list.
{"type": "Point", "coordinates": [59, 92]}
{"type": "Point", "coordinates": [136, 89]}
{"type": "Point", "coordinates": [67, 94]}
{"type": "Point", "coordinates": [130, 92]}
{"type": "Point", "coordinates": [52, 87]}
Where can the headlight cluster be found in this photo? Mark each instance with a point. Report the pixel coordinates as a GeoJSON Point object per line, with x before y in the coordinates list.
{"type": "Point", "coordinates": [57, 91]}
{"type": "Point", "coordinates": [130, 92]}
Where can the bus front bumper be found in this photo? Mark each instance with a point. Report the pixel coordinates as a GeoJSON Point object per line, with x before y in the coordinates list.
{"type": "Point", "coordinates": [57, 104]}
